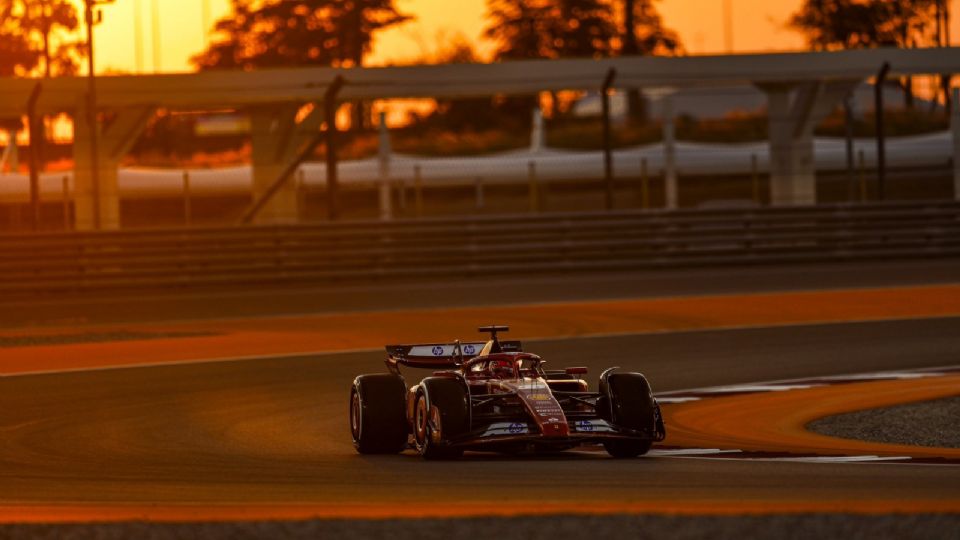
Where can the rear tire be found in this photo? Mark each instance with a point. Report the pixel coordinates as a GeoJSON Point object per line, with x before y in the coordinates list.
{"type": "Point", "coordinates": [629, 404]}
{"type": "Point", "coordinates": [378, 418]}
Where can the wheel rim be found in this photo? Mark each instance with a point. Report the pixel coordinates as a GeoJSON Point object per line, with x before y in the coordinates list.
{"type": "Point", "coordinates": [355, 411]}
{"type": "Point", "coordinates": [421, 422]}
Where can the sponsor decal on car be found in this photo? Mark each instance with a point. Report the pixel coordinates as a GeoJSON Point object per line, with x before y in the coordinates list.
{"type": "Point", "coordinates": [517, 428]}
{"type": "Point", "coordinates": [439, 350]}
{"type": "Point", "coordinates": [584, 425]}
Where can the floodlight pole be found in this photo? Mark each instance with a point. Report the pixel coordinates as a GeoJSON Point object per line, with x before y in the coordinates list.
{"type": "Point", "coordinates": [92, 115]}
{"type": "Point", "coordinates": [88, 6]}
{"type": "Point", "coordinates": [607, 143]}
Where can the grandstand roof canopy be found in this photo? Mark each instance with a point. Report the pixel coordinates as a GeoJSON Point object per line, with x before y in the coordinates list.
{"type": "Point", "coordinates": [219, 89]}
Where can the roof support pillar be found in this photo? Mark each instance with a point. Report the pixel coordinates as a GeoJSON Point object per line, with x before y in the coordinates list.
{"type": "Point", "coordinates": [282, 141]}
{"type": "Point", "coordinates": [272, 129]}
{"type": "Point", "coordinates": [280, 145]}
{"type": "Point", "coordinates": [116, 136]}
{"type": "Point", "coordinates": [11, 154]}
{"type": "Point", "coordinates": [794, 110]}
{"type": "Point", "coordinates": [792, 175]}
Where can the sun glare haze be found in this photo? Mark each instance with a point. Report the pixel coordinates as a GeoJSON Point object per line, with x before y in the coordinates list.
{"type": "Point", "coordinates": [759, 25]}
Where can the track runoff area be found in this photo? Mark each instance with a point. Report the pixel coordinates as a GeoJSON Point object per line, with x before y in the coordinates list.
{"type": "Point", "coordinates": [245, 419]}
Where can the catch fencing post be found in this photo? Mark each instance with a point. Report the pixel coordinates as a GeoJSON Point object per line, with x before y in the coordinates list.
{"type": "Point", "coordinates": [755, 179]}
{"type": "Point", "coordinates": [478, 190]}
{"type": "Point", "coordinates": [863, 177]}
{"type": "Point", "coordinates": [669, 153]}
{"type": "Point", "coordinates": [881, 138]}
{"type": "Point", "coordinates": [66, 202]}
{"type": "Point", "coordinates": [402, 195]}
{"type": "Point", "coordinates": [644, 185]}
{"type": "Point", "coordinates": [383, 158]}
{"type": "Point", "coordinates": [187, 210]}
{"type": "Point", "coordinates": [607, 142]}
{"type": "Point", "coordinates": [534, 191]}
{"type": "Point", "coordinates": [848, 132]}
{"type": "Point", "coordinates": [301, 195]}
{"type": "Point", "coordinates": [955, 127]}
{"type": "Point", "coordinates": [418, 190]}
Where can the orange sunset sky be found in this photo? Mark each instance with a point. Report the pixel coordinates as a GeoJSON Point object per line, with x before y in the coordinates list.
{"type": "Point", "coordinates": [759, 25]}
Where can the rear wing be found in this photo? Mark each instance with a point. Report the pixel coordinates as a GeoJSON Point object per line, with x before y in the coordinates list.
{"type": "Point", "coordinates": [440, 355]}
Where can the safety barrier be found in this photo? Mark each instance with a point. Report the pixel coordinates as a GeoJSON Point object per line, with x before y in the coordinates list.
{"type": "Point", "coordinates": [169, 259]}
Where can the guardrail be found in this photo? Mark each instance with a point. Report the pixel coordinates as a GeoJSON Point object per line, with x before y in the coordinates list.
{"type": "Point", "coordinates": [58, 264]}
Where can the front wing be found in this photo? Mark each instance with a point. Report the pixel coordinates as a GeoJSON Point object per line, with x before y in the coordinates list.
{"type": "Point", "coordinates": [585, 425]}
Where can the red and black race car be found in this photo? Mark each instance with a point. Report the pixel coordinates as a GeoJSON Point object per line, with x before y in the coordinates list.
{"type": "Point", "coordinates": [494, 397]}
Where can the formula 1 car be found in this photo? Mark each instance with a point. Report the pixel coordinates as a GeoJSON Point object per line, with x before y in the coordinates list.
{"type": "Point", "coordinates": [494, 397]}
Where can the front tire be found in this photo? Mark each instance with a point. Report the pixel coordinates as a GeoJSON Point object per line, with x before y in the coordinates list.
{"type": "Point", "coordinates": [629, 404]}
{"type": "Point", "coordinates": [627, 448]}
{"type": "Point", "coordinates": [443, 403]}
{"type": "Point", "coordinates": [378, 419]}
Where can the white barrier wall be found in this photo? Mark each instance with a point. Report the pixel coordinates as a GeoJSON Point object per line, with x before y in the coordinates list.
{"type": "Point", "coordinates": [699, 159]}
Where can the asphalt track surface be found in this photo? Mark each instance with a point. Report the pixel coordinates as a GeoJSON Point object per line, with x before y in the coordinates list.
{"type": "Point", "coordinates": [274, 431]}
{"type": "Point", "coordinates": [259, 301]}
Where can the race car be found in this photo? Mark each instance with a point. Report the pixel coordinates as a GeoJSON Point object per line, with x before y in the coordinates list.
{"type": "Point", "coordinates": [493, 396]}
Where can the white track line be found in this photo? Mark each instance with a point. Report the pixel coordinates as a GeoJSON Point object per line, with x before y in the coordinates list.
{"type": "Point", "coordinates": [755, 388]}
{"type": "Point", "coordinates": [843, 459]}
{"type": "Point", "coordinates": [678, 399]}
{"type": "Point", "coordinates": [678, 452]}
{"type": "Point", "coordinates": [174, 363]}
{"type": "Point", "coordinates": [828, 379]}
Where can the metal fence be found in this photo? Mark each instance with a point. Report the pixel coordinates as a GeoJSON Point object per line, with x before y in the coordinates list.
{"type": "Point", "coordinates": [364, 252]}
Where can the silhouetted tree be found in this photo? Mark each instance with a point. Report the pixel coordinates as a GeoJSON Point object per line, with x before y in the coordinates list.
{"type": "Point", "coordinates": [644, 31]}
{"type": "Point", "coordinates": [36, 33]}
{"type": "Point", "coordinates": [295, 33]}
{"type": "Point", "coordinates": [269, 33]}
{"type": "Point", "coordinates": [16, 55]}
{"type": "Point", "coordinates": [234, 45]}
{"type": "Point", "coordinates": [551, 28]}
{"type": "Point", "coordinates": [585, 28]}
{"type": "Point", "coordinates": [850, 24]}
{"type": "Point", "coordinates": [464, 114]}
{"type": "Point", "coordinates": [522, 28]}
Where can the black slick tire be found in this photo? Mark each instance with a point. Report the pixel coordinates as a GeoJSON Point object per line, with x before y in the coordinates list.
{"type": "Point", "coordinates": [378, 419]}
{"type": "Point", "coordinates": [450, 399]}
{"type": "Point", "coordinates": [631, 405]}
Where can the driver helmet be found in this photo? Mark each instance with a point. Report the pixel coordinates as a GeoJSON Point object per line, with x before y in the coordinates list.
{"type": "Point", "coordinates": [502, 368]}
